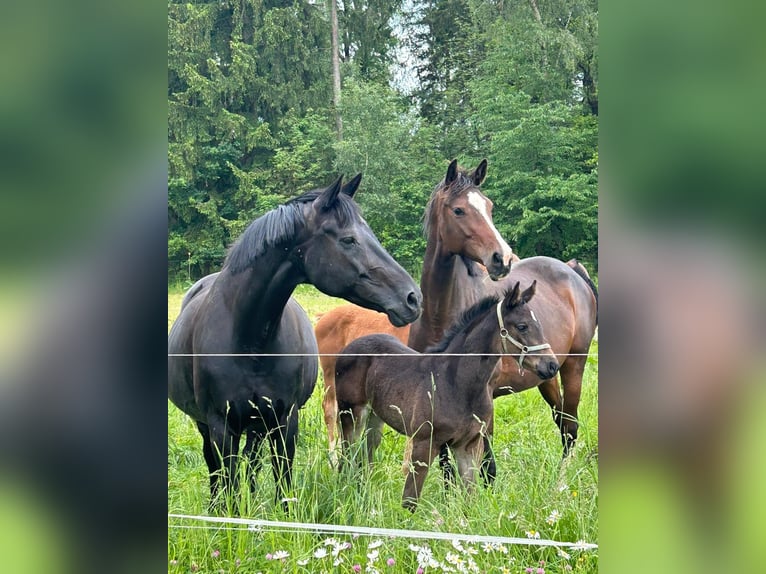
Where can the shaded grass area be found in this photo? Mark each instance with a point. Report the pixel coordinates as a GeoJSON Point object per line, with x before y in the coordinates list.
{"type": "Point", "coordinates": [536, 493]}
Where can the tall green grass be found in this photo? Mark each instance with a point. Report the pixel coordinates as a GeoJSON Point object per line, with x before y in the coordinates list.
{"type": "Point", "coordinates": [535, 493]}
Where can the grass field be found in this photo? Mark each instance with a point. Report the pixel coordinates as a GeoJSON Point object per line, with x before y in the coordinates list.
{"type": "Point", "coordinates": [535, 494]}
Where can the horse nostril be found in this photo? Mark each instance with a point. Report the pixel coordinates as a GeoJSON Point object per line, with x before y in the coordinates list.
{"type": "Point", "coordinates": [553, 367]}
{"type": "Point", "coordinates": [412, 299]}
{"type": "Point", "coordinates": [497, 259]}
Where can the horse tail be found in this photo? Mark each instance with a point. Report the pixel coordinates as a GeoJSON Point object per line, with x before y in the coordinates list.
{"type": "Point", "coordinates": [579, 268]}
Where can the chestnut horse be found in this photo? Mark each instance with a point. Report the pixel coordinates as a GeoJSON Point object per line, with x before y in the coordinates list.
{"type": "Point", "coordinates": [215, 373]}
{"type": "Point", "coordinates": [463, 249]}
{"type": "Point", "coordinates": [438, 400]}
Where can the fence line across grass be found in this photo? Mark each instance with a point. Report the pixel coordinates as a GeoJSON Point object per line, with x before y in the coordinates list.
{"type": "Point", "coordinates": [256, 525]}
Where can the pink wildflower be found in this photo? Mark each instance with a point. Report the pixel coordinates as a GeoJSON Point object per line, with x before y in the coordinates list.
{"type": "Point", "coordinates": [390, 561]}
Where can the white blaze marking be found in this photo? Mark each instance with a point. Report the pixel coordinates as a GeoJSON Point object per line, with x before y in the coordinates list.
{"type": "Point", "coordinates": [533, 315]}
{"type": "Point", "coordinates": [480, 204]}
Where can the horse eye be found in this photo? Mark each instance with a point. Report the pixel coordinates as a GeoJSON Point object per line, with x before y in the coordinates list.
{"type": "Point", "coordinates": [348, 240]}
{"type": "Point", "coordinates": [458, 211]}
{"type": "Point", "coordinates": [521, 327]}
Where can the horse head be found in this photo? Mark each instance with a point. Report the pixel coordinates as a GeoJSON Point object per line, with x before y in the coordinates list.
{"type": "Point", "coordinates": [463, 216]}
{"type": "Point", "coordinates": [342, 257]}
{"type": "Point", "coordinates": [522, 333]}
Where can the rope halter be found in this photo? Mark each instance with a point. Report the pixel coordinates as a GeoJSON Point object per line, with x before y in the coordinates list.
{"type": "Point", "coordinates": [506, 336]}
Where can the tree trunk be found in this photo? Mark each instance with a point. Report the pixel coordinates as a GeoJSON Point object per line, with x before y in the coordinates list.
{"type": "Point", "coordinates": [335, 68]}
{"type": "Point", "coordinates": [536, 11]}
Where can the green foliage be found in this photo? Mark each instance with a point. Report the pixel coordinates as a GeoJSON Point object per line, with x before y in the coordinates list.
{"type": "Point", "coordinates": [250, 122]}
{"type": "Point", "coordinates": [367, 37]}
{"type": "Point", "coordinates": [383, 140]}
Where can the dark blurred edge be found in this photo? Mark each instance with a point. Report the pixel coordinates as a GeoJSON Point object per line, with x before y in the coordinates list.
{"type": "Point", "coordinates": [83, 115]}
{"type": "Point", "coordinates": [83, 233]}
{"type": "Point", "coordinates": [681, 235]}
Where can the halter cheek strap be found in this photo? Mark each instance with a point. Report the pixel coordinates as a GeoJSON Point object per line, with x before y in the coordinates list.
{"type": "Point", "coordinates": [506, 336]}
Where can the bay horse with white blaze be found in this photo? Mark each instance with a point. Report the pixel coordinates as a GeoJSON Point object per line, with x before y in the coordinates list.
{"type": "Point", "coordinates": [459, 231]}
{"type": "Point", "coordinates": [227, 367]}
{"type": "Point", "coordinates": [437, 400]}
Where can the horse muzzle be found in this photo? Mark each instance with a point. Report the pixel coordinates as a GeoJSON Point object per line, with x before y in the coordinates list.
{"type": "Point", "coordinates": [497, 268]}
{"type": "Point", "coordinates": [547, 368]}
{"type": "Point", "coordinates": [407, 311]}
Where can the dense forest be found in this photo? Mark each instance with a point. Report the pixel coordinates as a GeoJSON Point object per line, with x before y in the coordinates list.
{"type": "Point", "coordinates": [254, 119]}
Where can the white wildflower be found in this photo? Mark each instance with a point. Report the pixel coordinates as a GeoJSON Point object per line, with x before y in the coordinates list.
{"type": "Point", "coordinates": [453, 558]}
{"type": "Point", "coordinates": [553, 517]}
{"type": "Point", "coordinates": [320, 553]}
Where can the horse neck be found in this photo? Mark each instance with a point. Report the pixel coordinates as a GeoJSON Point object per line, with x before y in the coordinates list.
{"type": "Point", "coordinates": [480, 346]}
{"type": "Point", "coordinates": [256, 297]}
{"type": "Point", "coordinates": [447, 290]}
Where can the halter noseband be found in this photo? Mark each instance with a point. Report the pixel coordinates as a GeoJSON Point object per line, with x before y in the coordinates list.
{"type": "Point", "coordinates": [506, 336]}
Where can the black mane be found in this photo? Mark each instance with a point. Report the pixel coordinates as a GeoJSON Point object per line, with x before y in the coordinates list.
{"type": "Point", "coordinates": [281, 225]}
{"type": "Point", "coordinates": [466, 318]}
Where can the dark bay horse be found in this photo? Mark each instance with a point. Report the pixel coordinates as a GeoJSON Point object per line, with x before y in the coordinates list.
{"type": "Point", "coordinates": [463, 249]}
{"type": "Point", "coordinates": [566, 305]}
{"type": "Point", "coordinates": [334, 330]}
{"type": "Point", "coordinates": [437, 399]}
{"type": "Point", "coordinates": [214, 373]}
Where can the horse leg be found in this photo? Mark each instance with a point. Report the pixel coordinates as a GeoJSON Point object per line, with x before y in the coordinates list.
{"type": "Point", "coordinates": [282, 441]}
{"type": "Point", "coordinates": [352, 422]}
{"type": "Point", "coordinates": [252, 450]}
{"type": "Point", "coordinates": [330, 408]}
{"type": "Point", "coordinates": [469, 458]}
{"type": "Point", "coordinates": [212, 460]}
{"type": "Point", "coordinates": [551, 392]}
{"type": "Point", "coordinates": [224, 449]}
{"type": "Point", "coordinates": [448, 470]}
{"type": "Point", "coordinates": [374, 434]}
{"type": "Point", "coordinates": [488, 464]}
{"type": "Point", "coordinates": [423, 453]}
{"type": "Point", "coordinates": [571, 379]}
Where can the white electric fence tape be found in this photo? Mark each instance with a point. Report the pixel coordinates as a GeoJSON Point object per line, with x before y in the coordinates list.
{"type": "Point", "coordinates": [257, 525]}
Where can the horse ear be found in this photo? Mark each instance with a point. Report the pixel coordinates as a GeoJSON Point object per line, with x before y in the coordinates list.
{"type": "Point", "coordinates": [351, 187]}
{"type": "Point", "coordinates": [529, 292]}
{"type": "Point", "coordinates": [330, 195]}
{"type": "Point", "coordinates": [451, 172]}
{"type": "Point", "coordinates": [513, 297]}
{"type": "Point", "coordinates": [479, 173]}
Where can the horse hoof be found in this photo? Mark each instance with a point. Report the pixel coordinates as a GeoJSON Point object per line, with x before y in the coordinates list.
{"type": "Point", "coordinates": [410, 504]}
